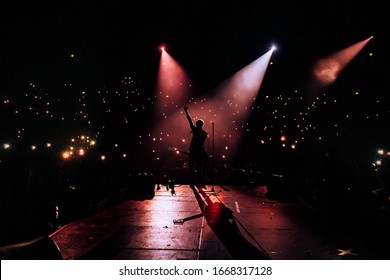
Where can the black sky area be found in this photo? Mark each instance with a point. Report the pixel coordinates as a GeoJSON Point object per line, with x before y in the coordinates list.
{"type": "Point", "coordinates": [211, 39]}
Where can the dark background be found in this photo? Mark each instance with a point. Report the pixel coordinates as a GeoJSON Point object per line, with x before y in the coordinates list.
{"type": "Point", "coordinates": [211, 39]}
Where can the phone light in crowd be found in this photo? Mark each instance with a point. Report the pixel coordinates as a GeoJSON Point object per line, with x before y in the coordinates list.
{"type": "Point", "coordinates": [81, 152]}
{"type": "Point", "coordinates": [66, 155]}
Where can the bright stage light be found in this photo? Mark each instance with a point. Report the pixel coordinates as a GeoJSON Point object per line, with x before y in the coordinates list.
{"type": "Point", "coordinates": [172, 88]}
{"type": "Point", "coordinates": [327, 69]}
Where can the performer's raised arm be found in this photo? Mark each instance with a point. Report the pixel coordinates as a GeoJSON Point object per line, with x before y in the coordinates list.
{"type": "Point", "coordinates": [189, 117]}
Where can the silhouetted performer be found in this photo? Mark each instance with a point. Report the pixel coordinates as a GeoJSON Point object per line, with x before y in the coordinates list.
{"type": "Point", "coordinates": [197, 153]}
